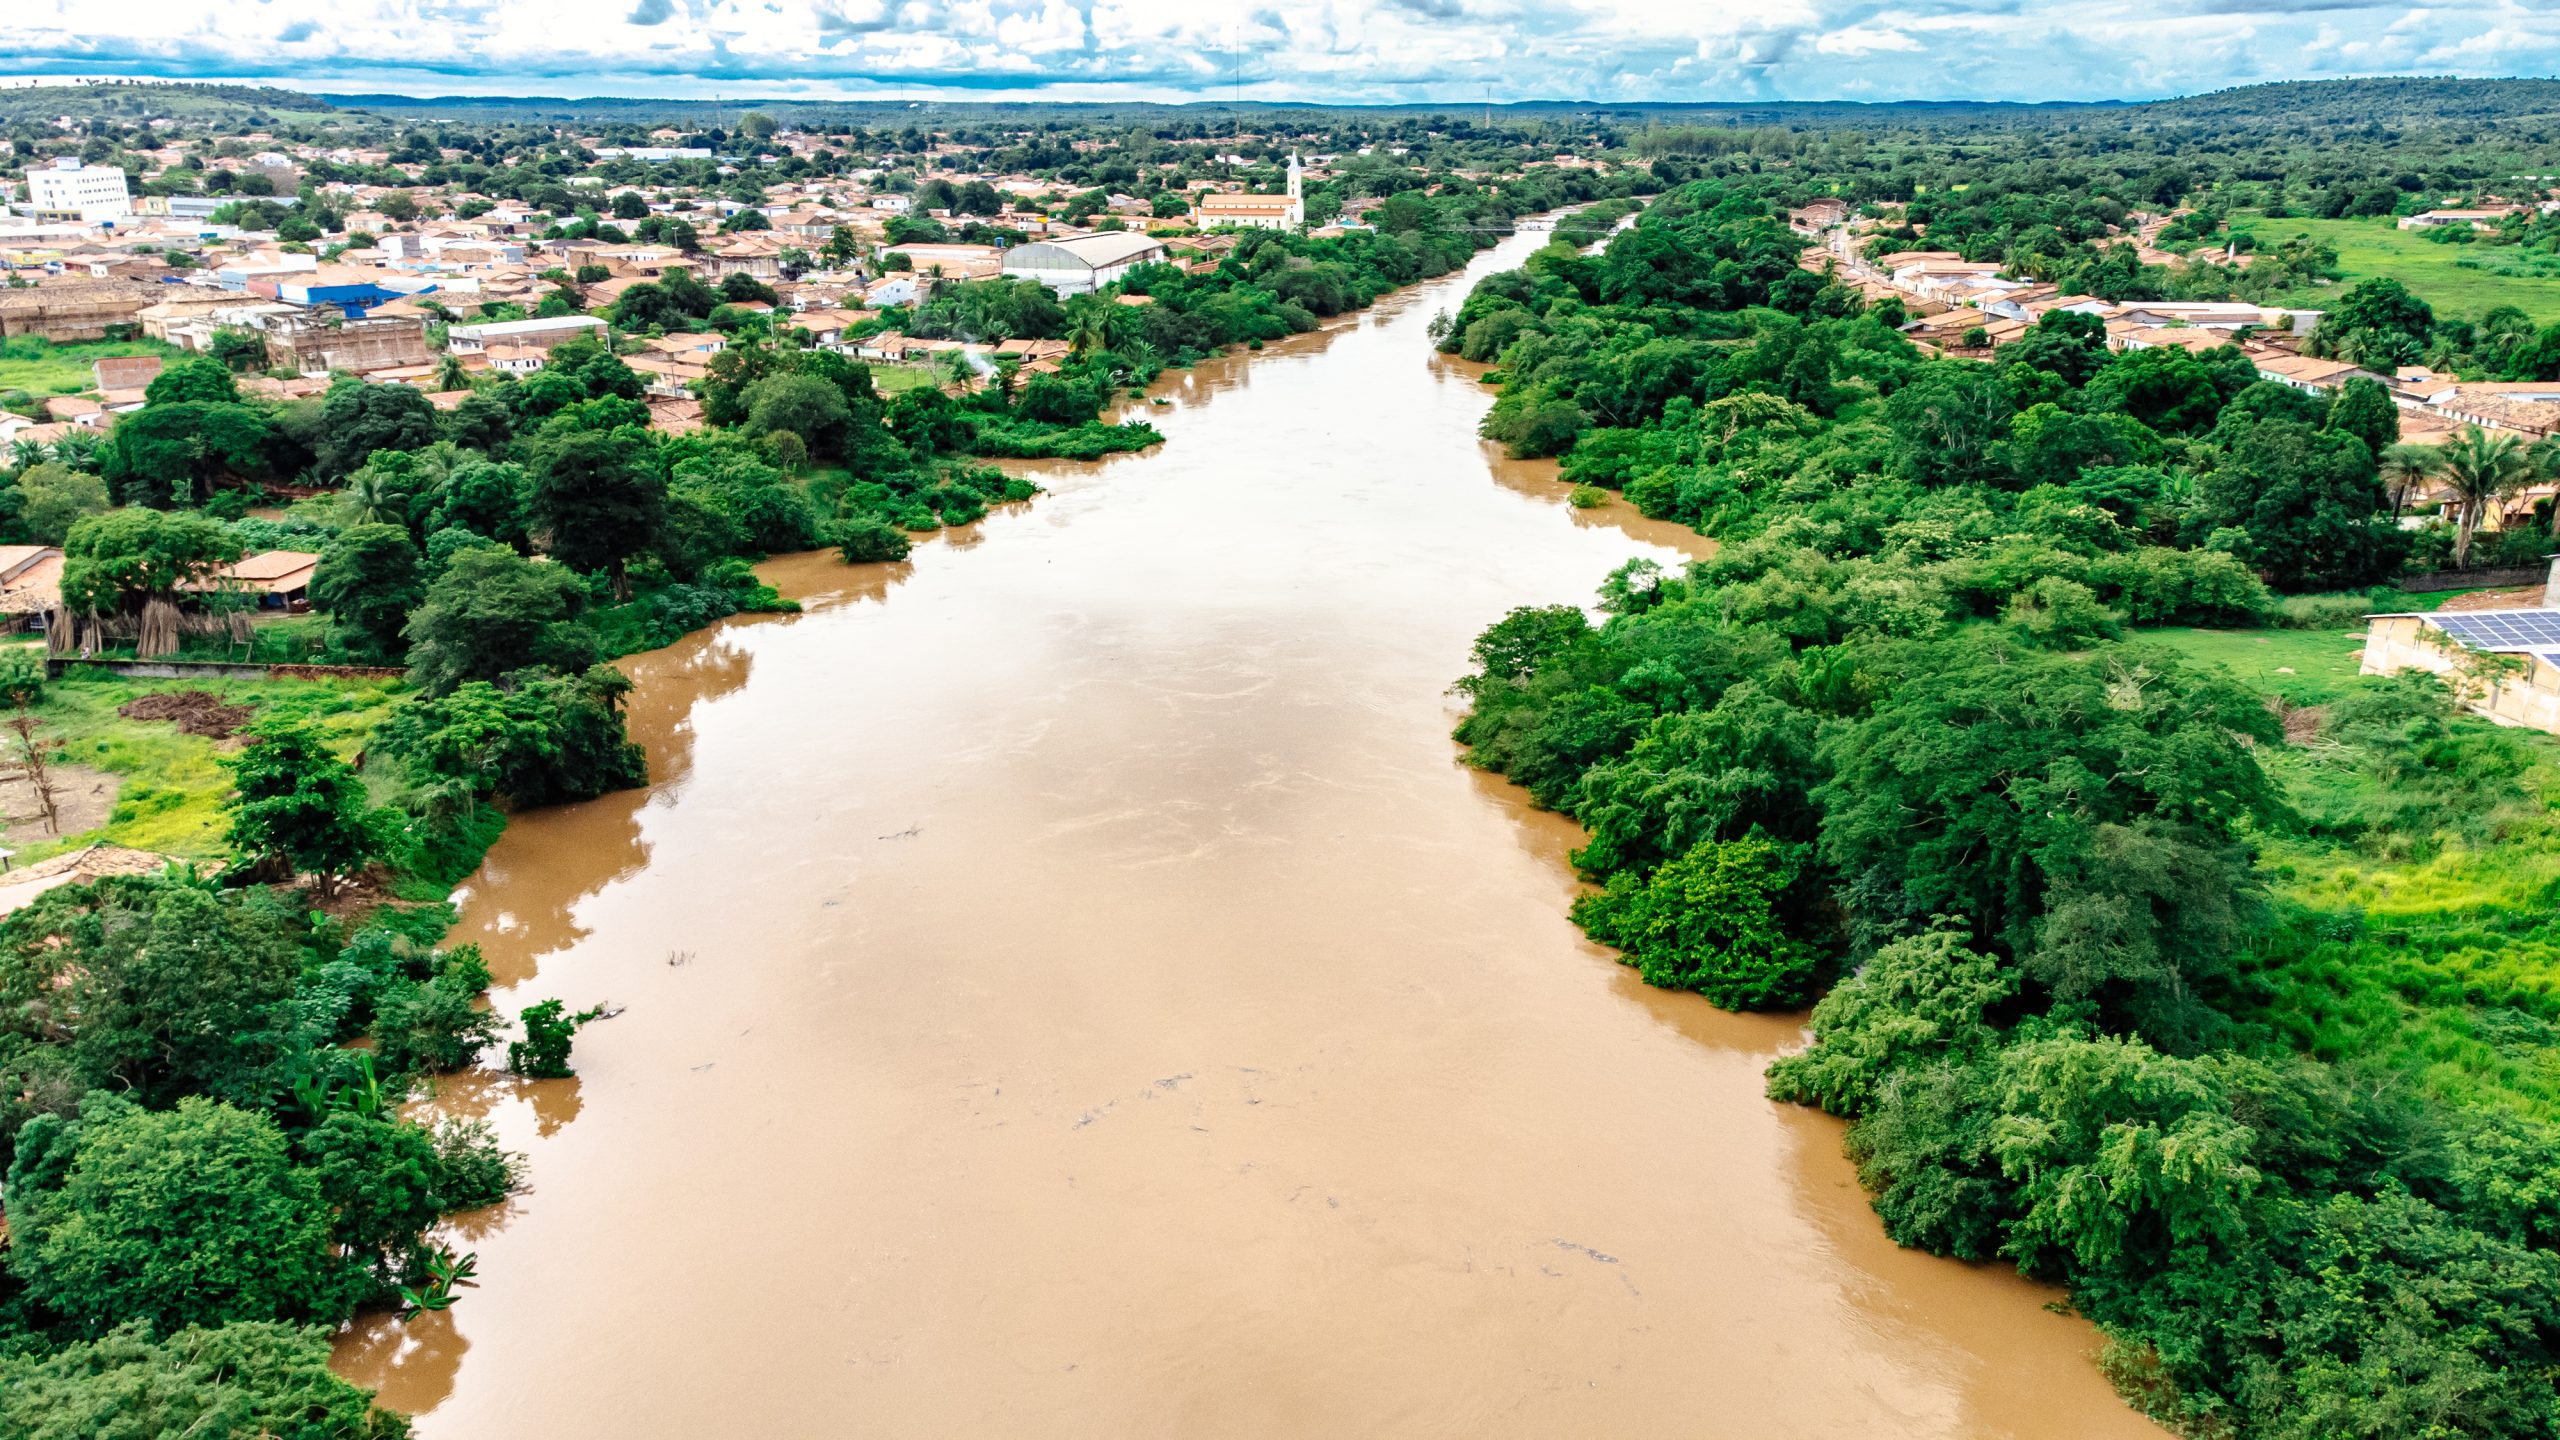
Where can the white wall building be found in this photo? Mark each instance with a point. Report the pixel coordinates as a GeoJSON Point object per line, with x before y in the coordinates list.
{"type": "Point", "coordinates": [521, 335]}
{"type": "Point", "coordinates": [90, 193]}
{"type": "Point", "coordinates": [1083, 264]}
{"type": "Point", "coordinates": [1217, 209]}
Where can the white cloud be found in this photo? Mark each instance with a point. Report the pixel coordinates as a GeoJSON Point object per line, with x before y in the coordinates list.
{"type": "Point", "coordinates": [1864, 40]}
{"type": "Point", "coordinates": [1350, 50]}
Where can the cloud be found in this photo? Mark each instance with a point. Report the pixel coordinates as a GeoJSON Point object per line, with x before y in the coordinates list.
{"type": "Point", "coordinates": [1340, 50]}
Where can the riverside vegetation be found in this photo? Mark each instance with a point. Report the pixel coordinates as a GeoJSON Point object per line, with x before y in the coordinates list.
{"type": "Point", "coordinates": [2233, 1018]}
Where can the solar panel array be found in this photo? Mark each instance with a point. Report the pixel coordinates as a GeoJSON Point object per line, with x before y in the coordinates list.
{"type": "Point", "coordinates": [2504, 629]}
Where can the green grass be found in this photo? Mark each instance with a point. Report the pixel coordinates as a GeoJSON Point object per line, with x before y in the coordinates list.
{"type": "Point", "coordinates": [40, 368]}
{"type": "Point", "coordinates": [173, 783]}
{"type": "Point", "coordinates": [892, 379]}
{"type": "Point", "coordinates": [2445, 970]}
{"type": "Point", "coordinates": [2434, 272]}
{"type": "Point", "coordinates": [2305, 667]}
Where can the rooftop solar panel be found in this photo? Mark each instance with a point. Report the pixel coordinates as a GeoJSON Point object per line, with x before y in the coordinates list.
{"type": "Point", "coordinates": [2503, 629]}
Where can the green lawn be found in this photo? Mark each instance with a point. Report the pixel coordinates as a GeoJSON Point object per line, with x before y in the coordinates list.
{"type": "Point", "coordinates": [173, 783]}
{"type": "Point", "coordinates": [41, 368]}
{"type": "Point", "coordinates": [890, 379]}
{"type": "Point", "coordinates": [2306, 667]}
{"type": "Point", "coordinates": [2458, 280]}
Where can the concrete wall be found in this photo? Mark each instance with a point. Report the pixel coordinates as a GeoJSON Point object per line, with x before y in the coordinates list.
{"type": "Point", "coordinates": [2406, 642]}
{"type": "Point", "coordinates": [58, 665]}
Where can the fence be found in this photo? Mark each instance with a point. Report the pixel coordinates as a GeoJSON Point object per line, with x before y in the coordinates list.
{"type": "Point", "coordinates": [2429, 581]}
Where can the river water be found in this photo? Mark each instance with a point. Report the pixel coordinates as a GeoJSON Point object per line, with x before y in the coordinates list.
{"type": "Point", "coordinates": [1072, 989]}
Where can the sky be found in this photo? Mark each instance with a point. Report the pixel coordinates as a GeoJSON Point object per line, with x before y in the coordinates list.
{"type": "Point", "coordinates": [1342, 51]}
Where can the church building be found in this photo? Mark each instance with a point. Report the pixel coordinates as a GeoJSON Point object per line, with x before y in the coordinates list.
{"type": "Point", "coordinates": [1220, 209]}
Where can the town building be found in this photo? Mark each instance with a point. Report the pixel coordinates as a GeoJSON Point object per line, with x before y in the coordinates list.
{"type": "Point", "coordinates": [69, 190]}
{"type": "Point", "coordinates": [1084, 264]}
{"type": "Point", "coordinates": [539, 334]}
{"type": "Point", "coordinates": [1254, 212]}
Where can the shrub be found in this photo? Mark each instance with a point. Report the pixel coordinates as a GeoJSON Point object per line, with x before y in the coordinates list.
{"type": "Point", "coordinates": [1709, 921]}
{"type": "Point", "coordinates": [549, 1030]}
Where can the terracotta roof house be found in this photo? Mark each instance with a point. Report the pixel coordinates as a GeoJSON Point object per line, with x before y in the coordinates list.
{"type": "Point", "coordinates": [280, 578]}
{"type": "Point", "coordinates": [126, 372]}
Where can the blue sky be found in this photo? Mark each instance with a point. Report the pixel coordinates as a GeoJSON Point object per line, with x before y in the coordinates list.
{"type": "Point", "coordinates": [1333, 50]}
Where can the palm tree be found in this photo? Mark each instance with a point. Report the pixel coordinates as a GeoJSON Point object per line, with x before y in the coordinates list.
{"type": "Point", "coordinates": [451, 376]}
{"type": "Point", "coordinates": [2406, 468]}
{"type": "Point", "coordinates": [2545, 458]}
{"type": "Point", "coordinates": [77, 449]}
{"type": "Point", "coordinates": [371, 499]}
{"type": "Point", "coordinates": [26, 454]}
{"type": "Point", "coordinates": [2479, 468]}
{"type": "Point", "coordinates": [1088, 329]}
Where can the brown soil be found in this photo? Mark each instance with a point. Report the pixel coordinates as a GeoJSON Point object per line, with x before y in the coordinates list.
{"type": "Point", "coordinates": [2521, 597]}
{"type": "Point", "coordinates": [196, 712]}
{"type": "Point", "coordinates": [83, 799]}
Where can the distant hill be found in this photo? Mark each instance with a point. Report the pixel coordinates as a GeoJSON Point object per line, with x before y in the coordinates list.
{"type": "Point", "coordinates": [130, 100]}
{"type": "Point", "coordinates": [2289, 106]}
{"type": "Point", "coordinates": [706, 113]}
{"type": "Point", "coordinates": [2517, 105]}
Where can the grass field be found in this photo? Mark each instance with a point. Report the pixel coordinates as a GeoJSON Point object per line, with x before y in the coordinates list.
{"type": "Point", "coordinates": [173, 783]}
{"type": "Point", "coordinates": [890, 379]}
{"type": "Point", "coordinates": [2306, 667]}
{"type": "Point", "coordinates": [42, 368]}
{"type": "Point", "coordinates": [2435, 273]}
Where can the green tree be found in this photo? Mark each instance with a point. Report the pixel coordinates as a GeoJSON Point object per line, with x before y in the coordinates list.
{"type": "Point", "coordinates": [378, 1180]}
{"type": "Point", "coordinates": [2481, 468]}
{"type": "Point", "coordinates": [2164, 387]}
{"type": "Point", "coordinates": [2310, 503]}
{"type": "Point", "coordinates": [155, 989]}
{"type": "Point", "coordinates": [117, 562]}
{"type": "Point", "coordinates": [368, 580]}
{"type": "Point", "coordinates": [238, 349]}
{"type": "Point", "coordinates": [1949, 421]}
{"type": "Point", "coordinates": [1711, 921]}
{"type": "Point", "coordinates": [1915, 1003]}
{"type": "Point", "coordinates": [539, 740]}
{"type": "Point", "coordinates": [599, 498]}
{"type": "Point", "coordinates": [297, 808]}
{"type": "Point", "coordinates": [200, 380]}
{"type": "Point", "coordinates": [178, 1218]}
{"type": "Point", "coordinates": [804, 405]}
{"type": "Point", "coordinates": [490, 498]}
{"type": "Point", "coordinates": [549, 1029]}
{"type": "Point", "coordinates": [358, 419]}
{"type": "Point", "coordinates": [2364, 409]}
{"type": "Point", "coordinates": [52, 498]}
{"type": "Point", "coordinates": [493, 612]}
{"type": "Point", "coordinates": [252, 1378]}
{"type": "Point", "coordinates": [2378, 324]}
{"type": "Point", "coordinates": [162, 455]}
{"type": "Point", "coordinates": [2085, 805]}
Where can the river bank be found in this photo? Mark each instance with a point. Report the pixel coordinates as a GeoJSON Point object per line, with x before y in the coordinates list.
{"type": "Point", "coordinates": [1073, 990]}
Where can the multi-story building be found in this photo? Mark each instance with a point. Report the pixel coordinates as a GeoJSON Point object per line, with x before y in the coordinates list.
{"type": "Point", "coordinates": [68, 189]}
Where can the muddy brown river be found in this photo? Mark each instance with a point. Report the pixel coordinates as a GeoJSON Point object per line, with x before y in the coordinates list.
{"type": "Point", "coordinates": [1072, 989]}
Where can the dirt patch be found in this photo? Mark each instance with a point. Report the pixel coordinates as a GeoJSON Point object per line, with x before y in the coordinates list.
{"type": "Point", "coordinates": [195, 712]}
{"type": "Point", "coordinates": [83, 799]}
{"type": "Point", "coordinates": [2523, 597]}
